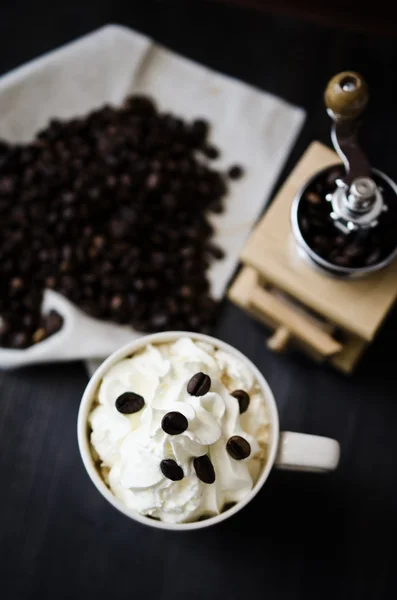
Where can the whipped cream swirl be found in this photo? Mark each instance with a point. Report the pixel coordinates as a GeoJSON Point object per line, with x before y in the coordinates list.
{"type": "Point", "coordinates": [131, 447]}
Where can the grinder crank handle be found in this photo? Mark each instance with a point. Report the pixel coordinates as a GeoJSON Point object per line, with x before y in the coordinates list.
{"type": "Point", "coordinates": [346, 97]}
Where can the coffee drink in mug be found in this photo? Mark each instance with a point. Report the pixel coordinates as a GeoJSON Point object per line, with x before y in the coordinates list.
{"type": "Point", "coordinates": [180, 431]}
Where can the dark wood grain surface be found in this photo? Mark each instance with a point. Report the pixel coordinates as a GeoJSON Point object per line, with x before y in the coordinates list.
{"type": "Point", "coordinates": [304, 536]}
{"type": "Point", "coordinates": [349, 14]}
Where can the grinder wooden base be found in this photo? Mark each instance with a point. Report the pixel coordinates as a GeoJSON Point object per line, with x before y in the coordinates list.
{"type": "Point", "coordinates": [332, 320]}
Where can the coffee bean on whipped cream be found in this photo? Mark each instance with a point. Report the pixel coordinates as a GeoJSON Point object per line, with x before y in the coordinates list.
{"type": "Point", "coordinates": [129, 403]}
{"type": "Point", "coordinates": [238, 447]}
{"type": "Point", "coordinates": [243, 400]}
{"type": "Point", "coordinates": [174, 423]}
{"type": "Point", "coordinates": [199, 384]}
{"type": "Point", "coordinates": [204, 468]}
{"type": "Point", "coordinates": [171, 469]}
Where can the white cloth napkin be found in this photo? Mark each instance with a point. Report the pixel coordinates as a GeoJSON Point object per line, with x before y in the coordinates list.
{"type": "Point", "coordinates": [252, 128]}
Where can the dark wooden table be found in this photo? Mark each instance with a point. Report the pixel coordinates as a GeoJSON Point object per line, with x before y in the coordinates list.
{"type": "Point", "coordinates": [305, 536]}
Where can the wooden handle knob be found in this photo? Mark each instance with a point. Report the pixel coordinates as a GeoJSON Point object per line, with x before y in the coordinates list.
{"type": "Point", "coordinates": [278, 342]}
{"type": "Point", "coordinates": [346, 95]}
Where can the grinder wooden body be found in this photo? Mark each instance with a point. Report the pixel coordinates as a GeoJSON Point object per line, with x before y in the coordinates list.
{"type": "Point", "coordinates": [331, 320]}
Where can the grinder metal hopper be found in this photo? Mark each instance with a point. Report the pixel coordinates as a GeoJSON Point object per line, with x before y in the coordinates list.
{"type": "Point", "coordinates": [331, 318]}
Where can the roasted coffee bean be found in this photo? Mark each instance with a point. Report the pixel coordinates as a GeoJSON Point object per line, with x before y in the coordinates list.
{"type": "Point", "coordinates": [50, 282]}
{"type": "Point", "coordinates": [126, 180]}
{"type": "Point", "coordinates": [111, 181]}
{"type": "Point", "coordinates": [172, 306]}
{"type": "Point", "coordinates": [4, 147]}
{"type": "Point", "coordinates": [320, 243]}
{"type": "Point", "coordinates": [170, 201]}
{"type": "Point", "coordinates": [7, 185]}
{"type": "Point", "coordinates": [174, 423]}
{"type": "Point", "coordinates": [28, 321]}
{"type": "Point", "coordinates": [217, 208]}
{"type": "Point", "coordinates": [116, 302]}
{"type": "Point", "coordinates": [158, 259]}
{"type": "Point", "coordinates": [353, 251]}
{"type": "Point", "coordinates": [16, 285]}
{"type": "Point", "coordinates": [69, 198]}
{"type": "Point", "coordinates": [139, 285]}
{"type": "Point", "coordinates": [153, 181]}
{"type": "Point", "coordinates": [175, 186]}
{"type": "Point", "coordinates": [238, 447]}
{"type": "Point", "coordinates": [118, 229]}
{"type": "Point", "coordinates": [194, 322]}
{"type": "Point", "coordinates": [129, 403]}
{"type": "Point", "coordinates": [171, 469]}
{"type": "Point", "coordinates": [211, 152]}
{"type": "Point", "coordinates": [235, 172]}
{"type": "Point", "coordinates": [373, 257]}
{"type": "Point", "coordinates": [318, 223]}
{"type": "Point", "coordinates": [242, 398]}
{"type": "Point", "coordinates": [19, 340]}
{"type": "Point", "coordinates": [52, 322]}
{"type": "Point", "coordinates": [141, 105]}
{"type": "Point", "coordinates": [159, 321]}
{"type": "Point", "coordinates": [39, 335]}
{"type": "Point", "coordinates": [319, 187]}
{"type": "Point", "coordinates": [65, 266]}
{"type": "Point", "coordinates": [99, 241]}
{"type": "Point", "coordinates": [215, 251]}
{"type": "Point", "coordinates": [4, 328]}
{"type": "Point", "coordinates": [186, 291]}
{"type": "Point", "coordinates": [200, 129]}
{"type": "Point", "coordinates": [199, 384]}
{"type": "Point", "coordinates": [313, 198]}
{"type": "Point", "coordinates": [152, 284]}
{"type": "Point", "coordinates": [67, 283]}
{"type": "Point", "coordinates": [204, 469]}
{"type": "Point", "coordinates": [339, 241]}
{"type": "Point", "coordinates": [342, 260]}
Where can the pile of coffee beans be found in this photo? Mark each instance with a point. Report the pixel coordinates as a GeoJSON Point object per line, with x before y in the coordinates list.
{"type": "Point", "coordinates": [111, 210]}
{"type": "Point", "coordinates": [357, 249]}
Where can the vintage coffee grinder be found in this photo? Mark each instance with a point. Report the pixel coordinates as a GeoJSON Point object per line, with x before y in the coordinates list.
{"type": "Point", "coordinates": [319, 266]}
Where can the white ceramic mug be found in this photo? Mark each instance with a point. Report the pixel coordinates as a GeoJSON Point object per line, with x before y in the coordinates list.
{"type": "Point", "coordinates": [287, 450]}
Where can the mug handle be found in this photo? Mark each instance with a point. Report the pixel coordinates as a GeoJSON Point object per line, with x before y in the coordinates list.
{"type": "Point", "coordinates": [304, 452]}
